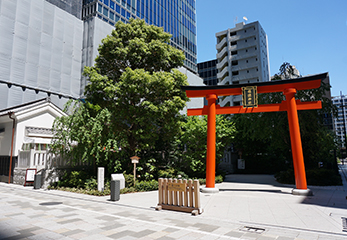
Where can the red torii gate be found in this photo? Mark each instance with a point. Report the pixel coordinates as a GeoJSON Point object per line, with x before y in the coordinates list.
{"type": "Point", "coordinates": [288, 87]}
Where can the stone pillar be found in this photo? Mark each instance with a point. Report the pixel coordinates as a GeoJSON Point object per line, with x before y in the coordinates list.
{"type": "Point", "coordinates": [101, 176]}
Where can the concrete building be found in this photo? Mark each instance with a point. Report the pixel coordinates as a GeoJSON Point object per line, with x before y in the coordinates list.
{"type": "Point", "coordinates": [45, 44]}
{"type": "Point", "coordinates": [243, 57]}
{"type": "Point", "coordinates": [208, 72]}
{"type": "Point", "coordinates": [340, 123]}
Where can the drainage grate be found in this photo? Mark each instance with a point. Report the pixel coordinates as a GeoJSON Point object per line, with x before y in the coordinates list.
{"type": "Point", "coordinates": [344, 224]}
{"type": "Point", "coordinates": [50, 203]}
{"type": "Point", "coordinates": [252, 229]}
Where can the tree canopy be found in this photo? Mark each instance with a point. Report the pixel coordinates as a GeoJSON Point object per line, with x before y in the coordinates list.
{"type": "Point", "coordinates": [132, 99]}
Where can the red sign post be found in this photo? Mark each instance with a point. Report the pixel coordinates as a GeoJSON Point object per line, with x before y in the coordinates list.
{"type": "Point", "coordinates": [287, 87]}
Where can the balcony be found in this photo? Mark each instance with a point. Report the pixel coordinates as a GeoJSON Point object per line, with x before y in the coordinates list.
{"type": "Point", "coordinates": [221, 44]}
{"type": "Point", "coordinates": [221, 74]}
{"type": "Point", "coordinates": [221, 64]}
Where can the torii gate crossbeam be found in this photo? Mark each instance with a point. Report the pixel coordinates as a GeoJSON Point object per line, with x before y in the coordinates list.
{"type": "Point", "coordinates": [287, 87]}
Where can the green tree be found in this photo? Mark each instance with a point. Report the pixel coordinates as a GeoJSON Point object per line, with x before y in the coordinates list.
{"type": "Point", "coordinates": [132, 99]}
{"type": "Point", "coordinates": [193, 143]}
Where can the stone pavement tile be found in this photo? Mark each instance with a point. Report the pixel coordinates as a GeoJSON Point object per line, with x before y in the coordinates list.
{"type": "Point", "coordinates": [307, 236]}
{"type": "Point", "coordinates": [69, 220]}
{"type": "Point", "coordinates": [178, 234]}
{"type": "Point", "coordinates": [206, 227]}
{"type": "Point", "coordinates": [252, 236]}
{"type": "Point", "coordinates": [142, 233]}
{"type": "Point", "coordinates": [121, 234]}
{"type": "Point", "coordinates": [236, 234]}
{"type": "Point", "coordinates": [263, 237]}
{"type": "Point", "coordinates": [72, 232]}
{"type": "Point", "coordinates": [157, 234]}
{"type": "Point", "coordinates": [170, 229]}
{"type": "Point", "coordinates": [192, 236]}
{"type": "Point", "coordinates": [166, 238]}
{"type": "Point", "coordinates": [284, 238]}
{"type": "Point", "coordinates": [113, 226]}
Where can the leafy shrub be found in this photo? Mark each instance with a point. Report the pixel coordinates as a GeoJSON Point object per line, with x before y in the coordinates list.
{"type": "Point", "coordinates": [73, 179]}
{"type": "Point", "coordinates": [91, 183]}
{"type": "Point", "coordinates": [219, 179]}
{"type": "Point", "coordinates": [129, 180]}
{"type": "Point", "coordinates": [146, 186]}
{"type": "Point", "coordinates": [167, 173]}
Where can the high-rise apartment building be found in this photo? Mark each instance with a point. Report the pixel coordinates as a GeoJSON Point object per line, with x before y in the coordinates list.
{"type": "Point", "coordinates": [242, 55]}
{"type": "Point", "coordinates": [340, 122]}
{"type": "Point", "coordinates": [177, 17]}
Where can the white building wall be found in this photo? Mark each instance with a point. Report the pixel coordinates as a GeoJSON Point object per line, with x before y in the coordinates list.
{"type": "Point", "coordinates": [41, 47]}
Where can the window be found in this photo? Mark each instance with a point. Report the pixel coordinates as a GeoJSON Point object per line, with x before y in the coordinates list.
{"type": "Point", "coordinates": [246, 40]}
{"type": "Point", "coordinates": [118, 8]}
{"type": "Point", "coordinates": [235, 73]}
{"type": "Point", "coordinates": [105, 12]}
{"type": "Point", "coordinates": [112, 5]}
{"type": "Point", "coordinates": [234, 63]}
{"type": "Point", "coordinates": [106, 2]}
{"type": "Point", "coordinates": [246, 61]}
{"type": "Point", "coordinates": [236, 82]}
{"type": "Point", "coordinates": [99, 8]}
{"type": "Point", "coordinates": [247, 71]}
{"type": "Point", "coordinates": [233, 52]}
{"type": "Point", "coordinates": [232, 33]}
{"type": "Point", "coordinates": [111, 15]}
{"type": "Point", "coordinates": [233, 43]}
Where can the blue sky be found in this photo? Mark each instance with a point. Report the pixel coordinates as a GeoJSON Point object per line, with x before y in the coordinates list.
{"type": "Point", "coordinates": [312, 35]}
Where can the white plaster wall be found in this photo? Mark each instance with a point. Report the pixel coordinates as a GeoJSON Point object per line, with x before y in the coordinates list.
{"type": "Point", "coordinates": [6, 137]}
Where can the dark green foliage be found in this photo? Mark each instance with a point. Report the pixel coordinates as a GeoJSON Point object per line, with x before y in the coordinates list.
{"type": "Point", "coordinates": [264, 138]}
{"type": "Point", "coordinates": [146, 186]}
{"type": "Point", "coordinates": [315, 177]}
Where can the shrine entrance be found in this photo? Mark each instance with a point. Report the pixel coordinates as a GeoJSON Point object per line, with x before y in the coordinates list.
{"type": "Point", "coordinates": [249, 94]}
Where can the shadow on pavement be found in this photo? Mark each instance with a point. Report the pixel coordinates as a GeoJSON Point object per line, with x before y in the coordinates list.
{"type": "Point", "coordinates": [253, 190]}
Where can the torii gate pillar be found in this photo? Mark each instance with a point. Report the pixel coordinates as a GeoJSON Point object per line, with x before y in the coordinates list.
{"type": "Point", "coordinates": [295, 139]}
{"type": "Point", "coordinates": [211, 145]}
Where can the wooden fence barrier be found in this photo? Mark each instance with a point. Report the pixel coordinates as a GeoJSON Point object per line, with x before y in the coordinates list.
{"type": "Point", "coordinates": [179, 195]}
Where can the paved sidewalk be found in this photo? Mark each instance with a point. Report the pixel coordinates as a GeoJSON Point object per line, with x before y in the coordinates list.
{"type": "Point", "coordinates": [247, 207]}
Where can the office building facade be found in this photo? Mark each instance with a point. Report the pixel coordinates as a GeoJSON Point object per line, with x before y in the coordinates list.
{"type": "Point", "coordinates": [243, 57]}
{"type": "Point", "coordinates": [208, 72]}
{"type": "Point", "coordinates": [177, 17]}
{"type": "Point", "coordinates": [340, 122]}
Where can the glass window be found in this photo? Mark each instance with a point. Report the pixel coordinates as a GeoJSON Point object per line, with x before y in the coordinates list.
{"type": "Point", "coordinates": [105, 12]}
{"type": "Point", "coordinates": [128, 15]}
{"type": "Point", "coordinates": [106, 2]}
{"type": "Point", "coordinates": [118, 8]}
{"type": "Point", "coordinates": [116, 18]}
{"type": "Point", "coordinates": [112, 5]}
{"type": "Point", "coordinates": [111, 15]}
{"type": "Point", "coordinates": [123, 12]}
{"type": "Point", "coordinates": [99, 8]}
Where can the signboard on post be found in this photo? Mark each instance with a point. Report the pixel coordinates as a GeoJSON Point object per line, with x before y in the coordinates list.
{"type": "Point", "coordinates": [134, 160]}
{"type": "Point", "coordinates": [30, 176]}
{"type": "Point", "coordinates": [249, 97]}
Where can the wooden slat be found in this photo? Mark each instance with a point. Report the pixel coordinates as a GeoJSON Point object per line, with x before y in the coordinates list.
{"type": "Point", "coordinates": [180, 195]}
{"type": "Point", "coordinates": [190, 190]}
{"type": "Point", "coordinates": [175, 194]}
{"type": "Point", "coordinates": [160, 190]}
{"type": "Point", "coordinates": [166, 197]}
{"type": "Point", "coordinates": [185, 194]}
{"type": "Point", "coordinates": [196, 194]}
{"type": "Point", "coordinates": [170, 193]}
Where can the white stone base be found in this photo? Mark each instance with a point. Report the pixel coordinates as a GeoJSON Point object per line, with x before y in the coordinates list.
{"type": "Point", "coordinates": [209, 190]}
{"type": "Point", "coordinates": [302, 192]}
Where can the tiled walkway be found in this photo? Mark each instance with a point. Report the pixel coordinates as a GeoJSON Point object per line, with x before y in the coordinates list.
{"type": "Point", "coordinates": [247, 207]}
